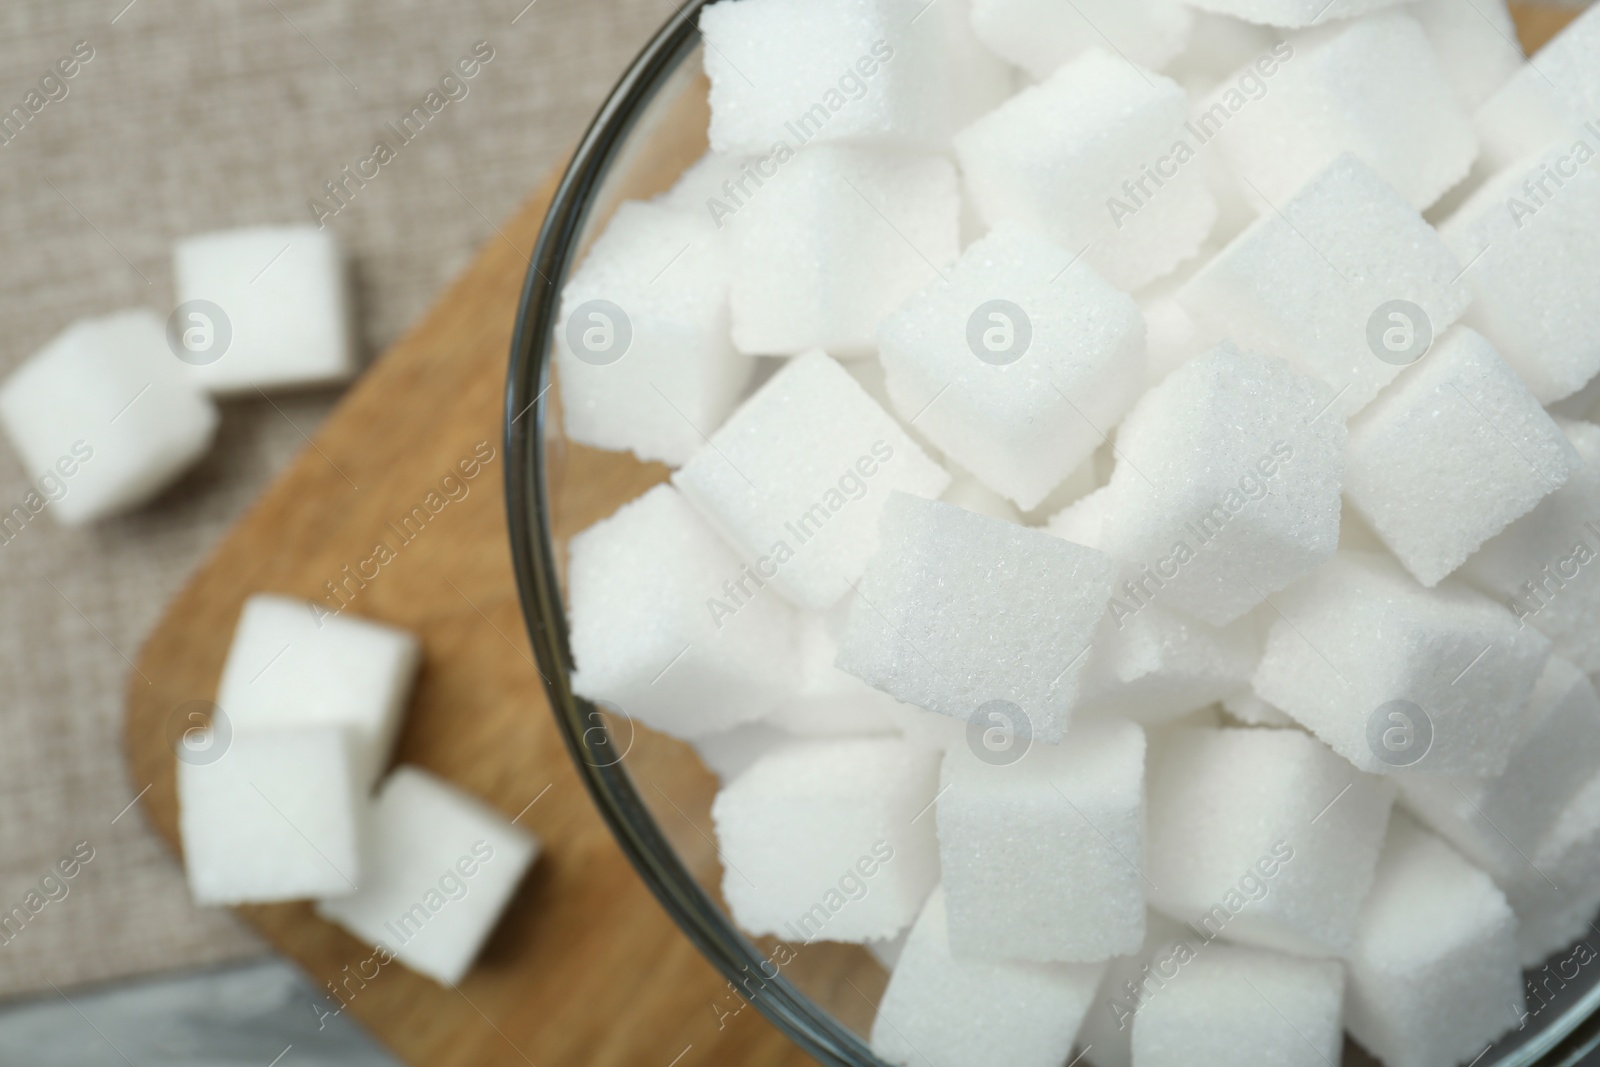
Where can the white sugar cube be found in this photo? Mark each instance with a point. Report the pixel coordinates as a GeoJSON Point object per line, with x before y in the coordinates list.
{"type": "Point", "coordinates": [829, 840]}
{"type": "Point", "coordinates": [1157, 666]}
{"type": "Point", "coordinates": [1532, 236]}
{"type": "Point", "coordinates": [1497, 821]}
{"type": "Point", "coordinates": [1372, 87]}
{"type": "Point", "coordinates": [1552, 98]}
{"type": "Point", "coordinates": [1239, 1005]}
{"type": "Point", "coordinates": [798, 475]}
{"type": "Point", "coordinates": [1293, 13]}
{"type": "Point", "coordinates": [1262, 837]}
{"type": "Point", "coordinates": [1016, 363]}
{"type": "Point", "coordinates": [1226, 487]}
{"type": "Point", "coordinates": [1130, 981]}
{"type": "Point", "coordinates": [103, 418]}
{"type": "Point", "coordinates": [1433, 977]}
{"type": "Point", "coordinates": [274, 817]}
{"type": "Point", "coordinates": [642, 348]}
{"type": "Point", "coordinates": [1221, 46]}
{"type": "Point", "coordinates": [730, 753]}
{"type": "Point", "coordinates": [1042, 857]}
{"type": "Point", "coordinates": [792, 72]}
{"type": "Point", "coordinates": [958, 611]}
{"type": "Point", "coordinates": [1397, 678]}
{"type": "Point", "coordinates": [438, 868]}
{"type": "Point", "coordinates": [831, 244]}
{"type": "Point", "coordinates": [271, 309]}
{"type": "Point", "coordinates": [1312, 282]}
{"type": "Point", "coordinates": [1475, 42]}
{"type": "Point", "coordinates": [1451, 454]}
{"type": "Point", "coordinates": [669, 626]}
{"type": "Point", "coordinates": [1540, 566]}
{"type": "Point", "coordinates": [826, 700]}
{"type": "Point", "coordinates": [1555, 891]}
{"type": "Point", "coordinates": [297, 664]}
{"type": "Point", "coordinates": [1030, 1011]}
{"type": "Point", "coordinates": [1251, 710]}
{"type": "Point", "coordinates": [1070, 159]}
{"type": "Point", "coordinates": [1039, 36]}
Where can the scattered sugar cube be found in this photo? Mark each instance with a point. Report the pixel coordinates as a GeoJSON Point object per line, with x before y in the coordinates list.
{"type": "Point", "coordinates": [1262, 837]}
{"type": "Point", "coordinates": [1030, 1013]}
{"type": "Point", "coordinates": [793, 71]}
{"type": "Point", "coordinates": [1251, 710]}
{"type": "Point", "coordinates": [642, 347]}
{"type": "Point", "coordinates": [1397, 678]}
{"type": "Point", "coordinates": [438, 868]}
{"type": "Point", "coordinates": [821, 253]}
{"type": "Point", "coordinates": [1497, 821]}
{"type": "Point", "coordinates": [1451, 454]}
{"type": "Point", "coordinates": [1308, 283]}
{"type": "Point", "coordinates": [958, 610]}
{"type": "Point", "coordinates": [1540, 565]}
{"type": "Point", "coordinates": [797, 477]}
{"type": "Point", "coordinates": [1475, 42]}
{"type": "Point", "coordinates": [1226, 487]}
{"type": "Point", "coordinates": [284, 309]}
{"type": "Point", "coordinates": [829, 840]}
{"type": "Point", "coordinates": [1013, 364]}
{"type": "Point", "coordinates": [669, 626]}
{"type": "Point", "coordinates": [1070, 159]}
{"type": "Point", "coordinates": [1039, 36]}
{"type": "Point", "coordinates": [1159, 666]}
{"type": "Point", "coordinates": [1106, 1036]}
{"type": "Point", "coordinates": [1239, 1005]}
{"type": "Point", "coordinates": [103, 418]}
{"type": "Point", "coordinates": [1555, 892]}
{"type": "Point", "coordinates": [1552, 98]}
{"type": "Point", "coordinates": [1433, 977]}
{"type": "Point", "coordinates": [295, 664]}
{"type": "Point", "coordinates": [275, 817]}
{"type": "Point", "coordinates": [1042, 857]}
{"type": "Point", "coordinates": [826, 700]}
{"type": "Point", "coordinates": [1292, 13]}
{"type": "Point", "coordinates": [1372, 87]}
{"type": "Point", "coordinates": [1532, 237]}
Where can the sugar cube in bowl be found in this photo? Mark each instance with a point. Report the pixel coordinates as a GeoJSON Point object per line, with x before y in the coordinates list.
{"type": "Point", "coordinates": [1199, 690]}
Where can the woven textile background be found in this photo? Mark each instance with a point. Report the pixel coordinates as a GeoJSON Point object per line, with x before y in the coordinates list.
{"type": "Point", "coordinates": [194, 115]}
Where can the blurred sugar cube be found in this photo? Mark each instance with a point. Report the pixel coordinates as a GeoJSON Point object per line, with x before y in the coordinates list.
{"type": "Point", "coordinates": [1433, 977]}
{"type": "Point", "coordinates": [1157, 666]}
{"type": "Point", "coordinates": [1055, 157]}
{"type": "Point", "coordinates": [1308, 282]}
{"type": "Point", "coordinates": [1397, 678]}
{"type": "Point", "coordinates": [826, 700]}
{"type": "Point", "coordinates": [832, 242]}
{"type": "Point", "coordinates": [798, 475]}
{"type": "Point", "coordinates": [1262, 837]}
{"type": "Point", "coordinates": [1549, 99]}
{"type": "Point", "coordinates": [103, 418]}
{"type": "Point", "coordinates": [274, 817]}
{"type": "Point", "coordinates": [1042, 856]}
{"type": "Point", "coordinates": [642, 347]}
{"type": "Point", "coordinates": [294, 663]}
{"type": "Point", "coordinates": [438, 868]}
{"type": "Point", "coordinates": [958, 611]}
{"type": "Point", "coordinates": [670, 626]}
{"type": "Point", "coordinates": [1016, 362]}
{"type": "Point", "coordinates": [1039, 36]}
{"type": "Point", "coordinates": [829, 840]}
{"type": "Point", "coordinates": [1555, 891]}
{"type": "Point", "coordinates": [1451, 454]}
{"type": "Point", "coordinates": [1031, 1011]}
{"type": "Point", "coordinates": [1293, 14]}
{"type": "Point", "coordinates": [1476, 45]}
{"type": "Point", "coordinates": [1372, 86]}
{"type": "Point", "coordinates": [284, 319]}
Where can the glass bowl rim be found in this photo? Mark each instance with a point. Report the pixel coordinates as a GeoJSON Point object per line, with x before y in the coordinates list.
{"type": "Point", "coordinates": [1563, 1043]}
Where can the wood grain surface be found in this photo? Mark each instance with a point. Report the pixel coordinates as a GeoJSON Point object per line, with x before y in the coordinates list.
{"type": "Point", "coordinates": [585, 968]}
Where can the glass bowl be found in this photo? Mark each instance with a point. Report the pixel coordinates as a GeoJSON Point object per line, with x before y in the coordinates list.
{"type": "Point", "coordinates": [652, 790]}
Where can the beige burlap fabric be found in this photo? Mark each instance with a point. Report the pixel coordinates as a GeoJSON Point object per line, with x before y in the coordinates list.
{"type": "Point", "coordinates": [195, 115]}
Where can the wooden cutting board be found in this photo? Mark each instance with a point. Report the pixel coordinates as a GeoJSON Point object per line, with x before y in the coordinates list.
{"type": "Point", "coordinates": [585, 969]}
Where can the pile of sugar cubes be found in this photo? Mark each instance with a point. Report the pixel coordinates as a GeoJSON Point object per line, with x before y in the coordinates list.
{"type": "Point", "coordinates": [1132, 550]}
{"type": "Point", "coordinates": [116, 407]}
{"type": "Point", "coordinates": [283, 794]}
